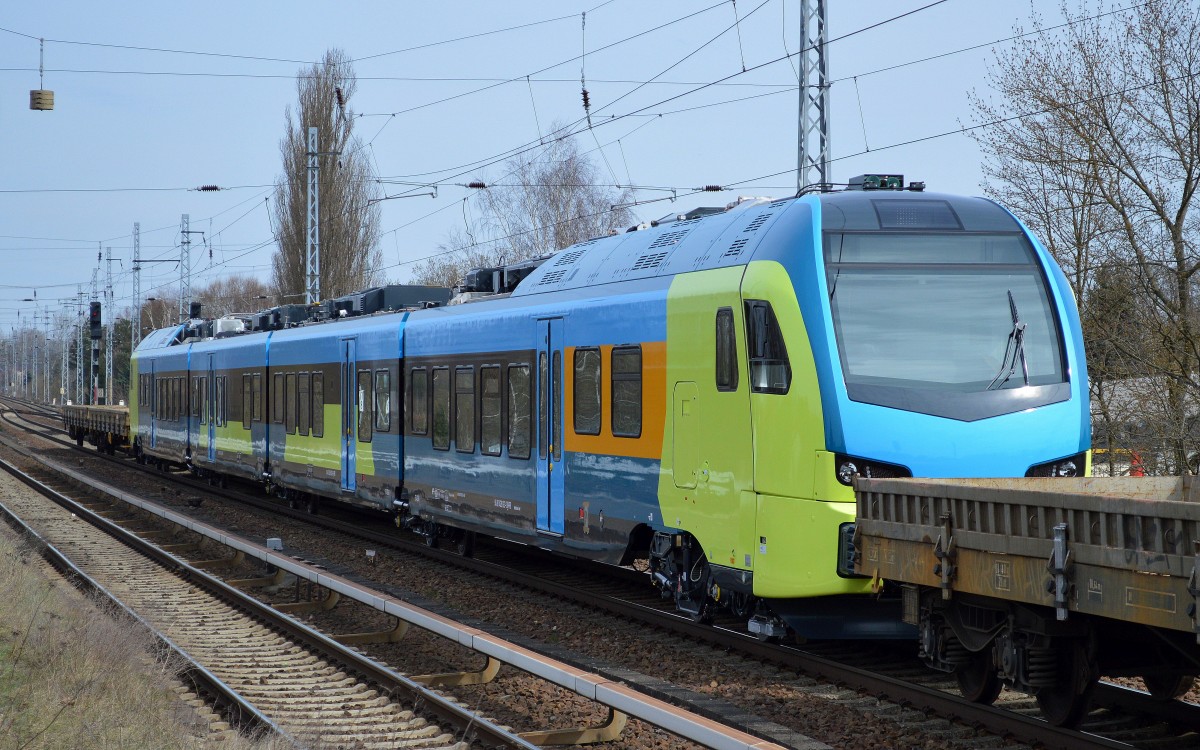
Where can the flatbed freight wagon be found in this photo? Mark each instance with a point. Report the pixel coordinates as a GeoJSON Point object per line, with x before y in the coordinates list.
{"type": "Point", "coordinates": [1042, 584]}
{"type": "Point", "coordinates": [106, 427]}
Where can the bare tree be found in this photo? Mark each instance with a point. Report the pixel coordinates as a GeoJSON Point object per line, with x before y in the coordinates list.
{"type": "Point", "coordinates": [548, 200]}
{"type": "Point", "coordinates": [234, 294]}
{"type": "Point", "coordinates": [348, 219]}
{"type": "Point", "coordinates": [1105, 165]}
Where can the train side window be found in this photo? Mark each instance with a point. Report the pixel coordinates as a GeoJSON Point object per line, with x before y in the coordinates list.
{"type": "Point", "coordinates": [219, 402]}
{"type": "Point", "coordinates": [587, 391]}
{"type": "Point", "coordinates": [464, 409]}
{"type": "Point", "coordinates": [304, 404]}
{"type": "Point", "coordinates": [318, 404]}
{"type": "Point", "coordinates": [770, 371]}
{"type": "Point", "coordinates": [204, 400]}
{"type": "Point", "coordinates": [194, 397]}
{"type": "Point", "coordinates": [441, 408]}
{"type": "Point", "coordinates": [383, 401]}
{"type": "Point", "coordinates": [258, 397]}
{"type": "Point", "coordinates": [418, 400]}
{"type": "Point", "coordinates": [365, 408]}
{"type": "Point", "coordinates": [277, 398]}
{"type": "Point", "coordinates": [489, 411]}
{"type": "Point", "coordinates": [518, 411]}
{"type": "Point", "coordinates": [627, 391]}
{"type": "Point", "coordinates": [177, 401]}
{"type": "Point", "coordinates": [247, 401]}
{"type": "Point", "coordinates": [543, 399]}
{"type": "Point", "coordinates": [727, 365]}
{"type": "Point", "coordinates": [289, 395]}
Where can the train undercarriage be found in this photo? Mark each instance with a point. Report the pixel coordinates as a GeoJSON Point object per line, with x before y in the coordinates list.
{"type": "Point", "coordinates": [989, 644]}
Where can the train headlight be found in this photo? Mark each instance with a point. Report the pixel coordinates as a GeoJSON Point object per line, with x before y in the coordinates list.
{"type": "Point", "coordinates": [849, 467]}
{"type": "Point", "coordinates": [1063, 467]}
{"type": "Point", "coordinates": [846, 472]}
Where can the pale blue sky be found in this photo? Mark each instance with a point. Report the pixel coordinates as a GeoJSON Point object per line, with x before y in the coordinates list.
{"type": "Point", "coordinates": [132, 129]}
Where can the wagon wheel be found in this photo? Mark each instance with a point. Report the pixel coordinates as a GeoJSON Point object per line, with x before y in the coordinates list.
{"type": "Point", "coordinates": [464, 544]}
{"type": "Point", "coordinates": [1166, 687]}
{"type": "Point", "coordinates": [1066, 703]}
{"type": "Point", "coordinates": [977, 678]}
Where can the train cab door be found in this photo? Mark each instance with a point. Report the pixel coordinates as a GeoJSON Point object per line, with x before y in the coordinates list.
{"type": "Point", "coordinates": [550, 473]}
{"type": "Point", "coordinates": [206, 400]}
{"type": "Point", "coordinates": [350, 410]}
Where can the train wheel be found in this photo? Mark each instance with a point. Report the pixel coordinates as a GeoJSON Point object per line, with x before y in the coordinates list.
{"type": "Point", "coordinates": [742, 605]}
{"type": "Point", "coordinates": [464, 544]}
{"type": "Point", "coordinates": [1168, 687]}
{"type": "Point", "coordinates": [313, 506]}
{"type": "Point", "coordinates": [1066, 702]}
{"type": "Point", "coordinates": [977, 679]}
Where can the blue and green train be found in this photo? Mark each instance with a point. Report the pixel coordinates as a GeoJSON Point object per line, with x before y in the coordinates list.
{"type": "Point", "coordinates": [697, 395]}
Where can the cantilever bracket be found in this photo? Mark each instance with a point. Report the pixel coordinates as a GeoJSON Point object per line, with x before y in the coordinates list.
{"type": "Point", "coordinates": [455, 679]}
{"type": "Point", "coordinates": [606, 732]}
{"type": "Point", "coordinates": [380, 636]}
{"type": "Point", "coordinates": [224, 562]}
{"type": "Point", "coordinates": [316, 605]}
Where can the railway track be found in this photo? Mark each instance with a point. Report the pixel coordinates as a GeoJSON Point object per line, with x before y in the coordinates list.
{"type": "Point", "coordinates": [1122, 717]}
{"type": "Point", "coordinates": [268, 669]}
{"type": "Point", "coordinates": [656, 713]}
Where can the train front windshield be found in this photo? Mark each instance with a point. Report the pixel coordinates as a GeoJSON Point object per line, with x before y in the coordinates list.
{"type": "Point", "coordinates": [940, 313]}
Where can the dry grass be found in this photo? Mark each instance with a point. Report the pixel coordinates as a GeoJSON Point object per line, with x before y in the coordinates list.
{"type": "Point", "coordinates": [77, 674]}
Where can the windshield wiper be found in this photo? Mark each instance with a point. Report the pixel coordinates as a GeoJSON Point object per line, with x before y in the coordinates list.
{"type": "Point", "coordinates": [1013, 350]}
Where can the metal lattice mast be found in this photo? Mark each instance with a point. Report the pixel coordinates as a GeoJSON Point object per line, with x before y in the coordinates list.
{"type": "Point", "coordinates": [46, 357]}
{"type": "Point", "coordinates": [312, 264]}
{"type": "Point", "coordinates": [79, 344]}
{"type": "Point", "coordinates": [135, 333]}
{"type": "Point", "coordinates": [812, 166]}
{"type": "Point", "coordinates": [62, 370]}
{"type": "Point", "coordinates": [185, 268]}
{"type": "Point", "coordinates": [94, 360]}
{"type": "Point", "coordinates": [109, 331]}
{"type": "Point", "coordinates": [33, 385]}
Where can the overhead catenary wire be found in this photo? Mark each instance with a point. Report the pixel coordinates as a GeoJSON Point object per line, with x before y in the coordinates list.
{"type": "Point", "coordinates": [894, 145]}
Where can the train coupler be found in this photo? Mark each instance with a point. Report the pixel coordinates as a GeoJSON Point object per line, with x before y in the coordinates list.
{"type": "Point", "coordinates": [767, 626]}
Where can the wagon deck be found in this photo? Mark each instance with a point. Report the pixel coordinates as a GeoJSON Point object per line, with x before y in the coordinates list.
{"type": "Point", "coordinates": [1116, 547]}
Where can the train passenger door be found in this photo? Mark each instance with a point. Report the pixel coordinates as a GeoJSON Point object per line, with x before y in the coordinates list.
{"type": "Point", "coordinates": [206, 408]}
{"type": "Point", "coordinates": [350, 408]}
{"type": "Point", "coordinates": [550, 484]}
{"type": "Point", "coordinates": [154, 406]}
